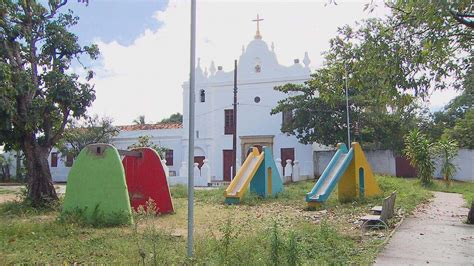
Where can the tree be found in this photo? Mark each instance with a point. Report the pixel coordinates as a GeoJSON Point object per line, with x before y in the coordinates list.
{"type": "Point", "coordinates": [463, 130]}
{"type": "Point", "coordinates": [456, 119]}
{"type": "Point", "coordinates": [324, 121]}
{"type": "Point", "coordinates": [389, 63]}
{"type": "Point", "coordinates": [82, 133]}
{"type": "Point", "coordinates": [145, 141]}
{"type": "Point", "coordinates": [140, 120]}
{"type": "Point", "coordinates": [380, 88]}
{"type": "Point", "coordinates": [418, 150]}
{"type": "Point", "coordinates": [174, 118]}
{"type": "Point", "coordinates": [446, 150]}
{"type": "Point", "coordinates": [38, 92]}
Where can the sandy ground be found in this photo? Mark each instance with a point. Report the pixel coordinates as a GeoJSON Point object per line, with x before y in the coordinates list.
{"type": "Point", "coordinates": [7, 197]}
{"type": "Point", "coordinates": [14, 190]}
{"type": "Point", "coordinates": [434, 234]}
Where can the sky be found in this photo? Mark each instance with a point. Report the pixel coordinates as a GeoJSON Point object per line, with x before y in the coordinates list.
{"type": "Point", "coordinates": [144, 45]}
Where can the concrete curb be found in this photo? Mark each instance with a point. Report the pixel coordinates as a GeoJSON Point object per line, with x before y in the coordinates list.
{"type": "Point", "coordinates": [384, 243]}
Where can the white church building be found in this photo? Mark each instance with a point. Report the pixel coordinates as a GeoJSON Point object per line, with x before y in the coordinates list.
{"type": "Point", "coordinates": [258, 73]}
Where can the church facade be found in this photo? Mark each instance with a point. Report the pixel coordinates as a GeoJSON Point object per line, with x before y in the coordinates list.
{"type": "Point", "coordinates": [258, 73]}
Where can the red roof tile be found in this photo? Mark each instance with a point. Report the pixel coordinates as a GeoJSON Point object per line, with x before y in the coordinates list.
{"type": "Point", "coordinates": [150, 126]}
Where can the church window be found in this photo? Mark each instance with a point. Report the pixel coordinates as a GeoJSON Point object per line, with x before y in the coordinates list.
{"type": "Point", "coordinates": [169, 157]}
{"type": "Point", "coordinates": [256, 99]}
{"type": "Point", "coordinates": [228, 121]}
{"type": "Point", "coordinates": [258, 68]}
{"type": "Point", "coordinates": [258, 65]}
{"type": "Point", "coordinates": [69, 160]}
{"type": "Point", "coordinates": [202, 95]}
{"type": "Point", "coordinates": [287, 118]}
{"type": "Point", "coordinates": [54, 159]}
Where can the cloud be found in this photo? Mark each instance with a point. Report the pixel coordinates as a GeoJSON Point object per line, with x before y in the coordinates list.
{"type": "Point", "coordinates": [145, 78]}
{"type": "Point", "coordinates": [438, 99]}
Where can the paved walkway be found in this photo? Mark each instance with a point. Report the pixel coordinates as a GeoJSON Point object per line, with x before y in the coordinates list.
{"type": "Point", "coordinates": [434, 234]}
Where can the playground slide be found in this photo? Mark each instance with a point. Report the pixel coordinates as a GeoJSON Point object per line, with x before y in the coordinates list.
{"type": "Point", "coordinates": [241, 181]}
{"type": "Point", "coordinates": [331, 175]}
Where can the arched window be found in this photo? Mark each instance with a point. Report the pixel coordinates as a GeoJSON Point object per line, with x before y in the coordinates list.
{"type": "Point", "coordinates": [202, 95]}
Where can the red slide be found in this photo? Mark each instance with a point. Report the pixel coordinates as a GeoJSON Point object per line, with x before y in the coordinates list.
{"type": "Point", "coordinates": [146, 180]}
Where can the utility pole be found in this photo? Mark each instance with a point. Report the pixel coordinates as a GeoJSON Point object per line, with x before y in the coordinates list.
{"type": "Point", "coordinates": [191, 130]}
{"type": "Point", "coordinates": [234, 137]}
{"type": "Point", "coordinates": [347, 111]}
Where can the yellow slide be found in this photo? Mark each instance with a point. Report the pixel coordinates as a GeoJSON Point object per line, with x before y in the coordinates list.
{"type": "Point", "coordinates": [241, 181]}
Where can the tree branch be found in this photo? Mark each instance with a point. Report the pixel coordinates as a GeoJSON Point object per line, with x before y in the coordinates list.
{"type": "Point", "coordinates": [60, 131]}
{"type": "Point", "coordinates": [54, 9]}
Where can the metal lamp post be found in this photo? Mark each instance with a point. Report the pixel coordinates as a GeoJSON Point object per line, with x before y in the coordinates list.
{"type": "Point", "coordinates": [191, 130]}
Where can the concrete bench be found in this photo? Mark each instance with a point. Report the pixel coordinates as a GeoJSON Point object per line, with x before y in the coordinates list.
{"type": "Point", "coordinates": [380, 214]}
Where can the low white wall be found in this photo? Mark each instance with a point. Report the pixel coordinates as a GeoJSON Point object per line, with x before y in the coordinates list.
{"type": "Point", "coordinates": [381, 161]}
{"type": "Point", "coordinates": [464, 164]}
{"type": "Point", "coordinates": [321, 161]}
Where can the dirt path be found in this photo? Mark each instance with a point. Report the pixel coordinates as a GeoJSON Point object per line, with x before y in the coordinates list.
{"type": "Point", "coordinates": [434, 234]}
{"type": "Point", "coordinates": [9, 193]}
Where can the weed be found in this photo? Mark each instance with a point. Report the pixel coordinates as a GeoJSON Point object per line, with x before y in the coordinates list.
{"type": "Point", "coordinates": [276, 245]}
{"type": "Point", "coordinates": [293, 258]}
{"type": "Point", "coordinates": [179, 191]}
{"type": "Point", "coordinates": [229, 233]}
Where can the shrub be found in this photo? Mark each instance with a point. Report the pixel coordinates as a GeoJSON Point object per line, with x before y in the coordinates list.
{"type": "Point", "coordinates": [418, 149]}
{"type": "Point", "coordinates": [446, 150]}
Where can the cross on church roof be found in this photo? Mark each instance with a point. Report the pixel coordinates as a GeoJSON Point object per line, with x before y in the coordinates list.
{"type": "Point", "coordinates": [257, 35]}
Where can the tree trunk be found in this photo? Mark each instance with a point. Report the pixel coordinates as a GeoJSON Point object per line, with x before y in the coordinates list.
{"type": "Point", "coordinates": [18, 166]}
{"type": "Point", "coordinates": [470, 216]}
{"type": "Point", "coordinates": [40, 185]}
{"type": "Point", "coordinates": [4, 174]}
{"type": "Point", "coordinates": [6, 170]}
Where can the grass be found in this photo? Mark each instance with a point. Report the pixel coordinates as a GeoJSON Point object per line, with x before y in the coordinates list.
{"type": "Point", "coordinates": [272, 231]}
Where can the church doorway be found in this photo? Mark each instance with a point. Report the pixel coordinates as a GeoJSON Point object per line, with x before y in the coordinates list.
{"type": "Point", "coordinates": [199, 160]}
{"type": "Point", "coordinates": [248, 142]}
{"type": "Point", "coordinates": [249, 150]}
{"type": "Point", "coordinates": [199, 156]}
{"type": "Point", "coordinates": [227, 164]}
{"type": "Point", "coordinates": [287, 153]}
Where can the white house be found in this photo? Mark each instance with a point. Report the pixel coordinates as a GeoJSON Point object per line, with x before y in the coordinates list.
{"type": "Point", "coordinates": [163, 135]}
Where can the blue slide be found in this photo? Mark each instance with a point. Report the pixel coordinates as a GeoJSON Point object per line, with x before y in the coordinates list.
{"type": "Point", "coordinates": [331, 175]}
